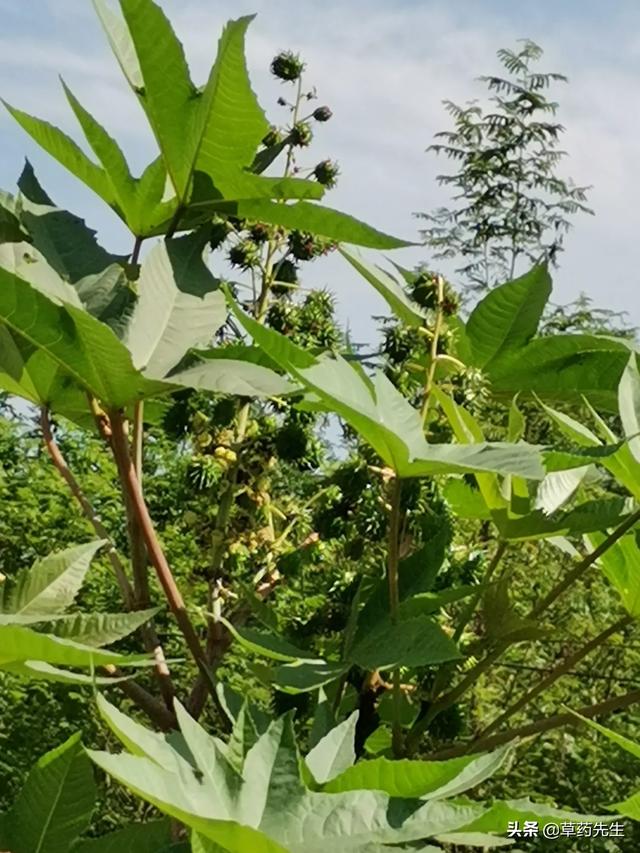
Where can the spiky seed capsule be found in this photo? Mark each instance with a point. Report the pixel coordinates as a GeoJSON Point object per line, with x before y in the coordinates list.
{"type": "Point", "coordinates": [301, 134]}
{"type": "Point", "coordinates": [287, 66]}
{"type": "Point", "coordinates": [322, 114]}
{"type": "Point", "coordinates": [305, 246]}
{"type": "Point", "coordinates": [259, 232]}
{"type": "Point", "coordinates": [326, 173]}
{"type": "Point", "coordinates": [286, 274]}
{"type": "Point", "coordinates": [245, 255]}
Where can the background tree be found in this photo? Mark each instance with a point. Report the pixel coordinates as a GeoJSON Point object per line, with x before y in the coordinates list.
{"type": "Point", "coordinates": [511, 204]}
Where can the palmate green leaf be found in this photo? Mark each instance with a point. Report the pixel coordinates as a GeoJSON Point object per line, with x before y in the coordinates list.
{"type": "Point", "coordinates": [87, 351]}
{"type": "Point", "coordinates": [55, 804]}
{"type": "Point", "coordinates": [563, 368]}
{"type": "Point", "coordinates": [64, 239]}
{"type": "Point", "coordinates": [508, 317]}
{"type": "Point", "coordinates": [229, 126]}
{"type": "Point", "coordinates": [19, 644]}
{"type": "Point", "coordinates": [152, 837]}
{"type": "Point", "coordinates": [31, 374]}
{"type": "Point", "coordinates": [110, 156]}
{"type": "Point", "coordinates": [629, 404]}
{"type": "Point", "coordinates": [33, 670]}
{"type": "Point", "coordinates": [63, 149]}
{"type": "Point", "coordinates": [218, 373]}
{"type": "Point", "coordinates": [335, 752]}
{"type": "Point", "coordinates": [558, 487]}
{"type": "Point", "coordinates": [98, 629]}
{"type": "Point", "coordinates": [315, 219]}
{"type": "Point", "coordinates": [302, 676]}
{"type": "Point", "coordinates": [383, 417]}
{"type": "Point", "coordinates": [411, 642]}
{"type": "Point", "coordinates": [27, 263]}
{"type": "Point", "coordinates": [179, 306]}
{"type": "Point", "coordinates": [403, 778]}
{"type": "Point", "coordinates": [267, 644]}
{"type": "Point", "coordinates": [273, 811]}
{"type": "Point", "coordinates": [393, 293]}
{"type": "Point", "coordinates": [50, 585]}
{"type": "Point", "coordinates": [210, 134]}
{"type": "Point", "coordinates": [621, 566]}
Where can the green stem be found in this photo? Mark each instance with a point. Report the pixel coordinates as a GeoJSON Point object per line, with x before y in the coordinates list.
{"type": "Point", "coordinates": [433, 358]}
{"type": "Point", "coordinates": [135, 500]}
{"type": "Point", "coordinates": [446, 670]}
{"type": "Point", "coordinates": [393, 564]}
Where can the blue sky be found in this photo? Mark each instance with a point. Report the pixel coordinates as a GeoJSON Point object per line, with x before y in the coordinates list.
{"type": "Point", "coordinates": [384, 69]}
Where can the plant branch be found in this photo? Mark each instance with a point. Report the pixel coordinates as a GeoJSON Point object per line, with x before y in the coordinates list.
{"type": "Point", "coordinates": [563, 668]}
{"type": "Point", "coordinates": [586, 563]}
{"type": "Point", "coordinates": [155, 710]}
{"type": "Point", "coordinates": [545, 724]}
{"type": "Point", "coordinates": [67, 475]}
{"type": "Point", "coordinates": [151, 641]}
{"type": "Point", "coordinates": [131, 486]}
{"type": "Point", "coordinates": [421, 725]}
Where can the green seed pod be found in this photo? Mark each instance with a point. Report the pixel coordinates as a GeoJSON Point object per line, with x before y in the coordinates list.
{"type": "Point", "coordinates": [245, 255]}
{"type": "Point", "coordinates": [326, 173]}
{"type": "Point", "coordinates": [322, 114]}
{"type": "Point", "coordinates": [301, 134]}
{"type": "Point", "coordinates": [287, 66]}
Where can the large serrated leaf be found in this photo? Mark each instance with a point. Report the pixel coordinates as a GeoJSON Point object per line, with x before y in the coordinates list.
{"type": "Point", "coordinates": [411, 642]}
{"type": "Point", "coordinates": [334, 753]}
{"type": "Point", "coordinates": [629, 404]}
{"type": "Point", "coordinates": [19, 644]}
{"type": "Point", "coordinates": [98, 629]}
{"type": "Point", "coordinates": [51, 585]}
{"type": "Point", "coordinates": [179, 306]}
{"type": "Point", "coordinates": [316, 219]}
{"type": "Point", "coordinates": [87, 351]}
{"type": "Point", "coordinates": [383, 417]}
{"type": "Point", "coordinates": [507, 318]}
{"type": "Point", "coordinates": [63, 149]}
{"type": "Point", "coordinates": [393, 293]}
{"type": "Point", "coordinates": [55, 804]}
